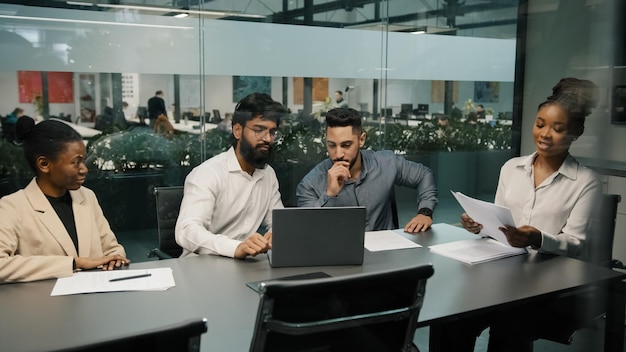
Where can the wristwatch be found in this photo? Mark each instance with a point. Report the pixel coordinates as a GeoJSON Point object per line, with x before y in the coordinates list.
{"type": "Point", "coordinates": [425, 211]}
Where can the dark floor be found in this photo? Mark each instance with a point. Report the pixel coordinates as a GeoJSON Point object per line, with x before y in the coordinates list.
{"type": "Point", "coordinates": [139, 243]}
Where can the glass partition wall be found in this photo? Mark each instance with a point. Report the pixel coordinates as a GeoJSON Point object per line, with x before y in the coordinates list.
{"type": "Point", "coordinates": [434, 81]}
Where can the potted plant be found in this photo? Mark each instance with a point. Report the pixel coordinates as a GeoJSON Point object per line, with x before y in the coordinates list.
{"type": "Point", "coordinates": [15, 173]}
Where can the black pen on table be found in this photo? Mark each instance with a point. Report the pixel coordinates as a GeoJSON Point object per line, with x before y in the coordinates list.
{"type": "Point", "coordinates": [130, 277]}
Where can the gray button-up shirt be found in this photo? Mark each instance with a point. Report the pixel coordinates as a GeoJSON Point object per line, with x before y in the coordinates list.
{"type": "Point", "coordinates": [381, 171]}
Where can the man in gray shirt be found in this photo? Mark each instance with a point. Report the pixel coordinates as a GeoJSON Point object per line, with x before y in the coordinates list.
{"type": "Point", "coordinates": [351, 177]}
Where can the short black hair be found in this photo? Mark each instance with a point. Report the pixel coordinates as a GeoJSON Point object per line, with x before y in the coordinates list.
{"type": "Point", "coordinates": [343, 117]}
{"type": "Point", "coordinates": [256, 104]}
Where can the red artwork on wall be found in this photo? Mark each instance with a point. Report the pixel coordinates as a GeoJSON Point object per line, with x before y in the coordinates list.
{"type": "Point", "coordinates": [29, 85]}
{"type": "Point", "coordinates": [60, 86]}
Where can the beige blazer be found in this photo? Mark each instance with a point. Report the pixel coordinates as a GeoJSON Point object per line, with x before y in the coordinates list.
{"type": "Point", "coordinates": [34, 244]}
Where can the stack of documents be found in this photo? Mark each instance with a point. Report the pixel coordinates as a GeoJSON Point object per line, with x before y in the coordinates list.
{"type": "Point", "coordinates": [485, 249]}
{"type": "Point", "coordinates": [159, 279]}
{"type": "Point", "coordinates": [476, 251]}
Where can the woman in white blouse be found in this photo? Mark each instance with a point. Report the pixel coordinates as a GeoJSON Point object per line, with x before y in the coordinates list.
{"type": "Point", "coordinates": [555, 202]}
{"type": "Point", "coordinates": [553, 198]}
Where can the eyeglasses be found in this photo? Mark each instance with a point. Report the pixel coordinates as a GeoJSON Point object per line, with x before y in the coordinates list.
{"type": "Point", "coordinates": [261, 133]}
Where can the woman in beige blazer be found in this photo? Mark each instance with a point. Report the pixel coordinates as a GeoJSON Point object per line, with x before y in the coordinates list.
{"type": "Point", "coordinates": [54, 226]}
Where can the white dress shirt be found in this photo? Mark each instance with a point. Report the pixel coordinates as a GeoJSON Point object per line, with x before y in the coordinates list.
{"type": "Point", "coordinates": [223, 205]}
{"type": "Point", "coordinates": [564, 207]}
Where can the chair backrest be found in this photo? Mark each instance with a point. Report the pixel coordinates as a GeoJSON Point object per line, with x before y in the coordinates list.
{"type": "Point", "coordinates": [394, 209]}
{"type": "Point", "coordinates": [183, 336]}
{"type": "Point", "coordinates": [363, 312]}
{"type": "Point", "coordinates": [601, 253]}
{"type": "Point", "coordinates": [216, 115]}
{"type": "Point", "coordinates": [168, 200]}
{"type": "Point", "coordinates": [601, 244]}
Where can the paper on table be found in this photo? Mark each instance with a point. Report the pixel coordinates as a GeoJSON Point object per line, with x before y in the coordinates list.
{"type": "Point", "coordinates": [160, 279]}
{"type": "Point", "coordinates": [476, 251]}
{"type": "Point", "coordinates": [386, 240]}
{"type": "Point", "coordinates": [490, 215]}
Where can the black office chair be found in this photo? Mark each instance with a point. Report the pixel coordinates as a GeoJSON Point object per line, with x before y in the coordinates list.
{"type": "Point", "coordinates": [394, 209]}
{"type": "Point", "coordinates": [602, 254]}
{"type": "Point", "coordinates": [363, 312]}
{"type": "Point", "coordinates": [168, 200]}
{"type": "Point", "coordinates": [183, 336]}
{"type": "Point", "coordinates": [217, 117]}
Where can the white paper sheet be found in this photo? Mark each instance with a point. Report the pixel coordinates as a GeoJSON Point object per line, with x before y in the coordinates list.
{"type": "Point", "coordinates": [387, 240]}
{"type": "Point", "coordinates": [160, 279]}
{"type": "Point", "coordinates": [490, 215]}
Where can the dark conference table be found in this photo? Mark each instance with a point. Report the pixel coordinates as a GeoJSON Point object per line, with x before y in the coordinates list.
{"type": "Point", "coordinates": [215, 287]}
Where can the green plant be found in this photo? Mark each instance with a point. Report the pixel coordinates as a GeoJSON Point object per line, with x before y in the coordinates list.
{"type": "Point", "coordinates": [13, 164]}
{"type": "Point", "coordinates": [302, 141]}
{"type": "Point", "coordinates": [136, 149]}
{"type": "Point", "coordinates": [468, 107]}
{"type": "Point", "coordinates": [428, 136]}
{"type": "Point", "coordinates": [38, 104]}
{"type": "Point", "coordinates": [140, 149]}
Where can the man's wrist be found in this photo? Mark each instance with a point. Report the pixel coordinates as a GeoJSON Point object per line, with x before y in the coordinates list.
{"type": "Point", "coordinates": [536, 240]}
{"type": "Point", "coordinates": [425, 211]}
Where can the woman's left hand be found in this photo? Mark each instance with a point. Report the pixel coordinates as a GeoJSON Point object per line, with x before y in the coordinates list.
{"type": "Point", "coordinates": [522, 236]}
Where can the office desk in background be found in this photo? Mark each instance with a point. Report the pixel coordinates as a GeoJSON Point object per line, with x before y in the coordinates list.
{"type": "Point", "coordinates": [189, 126]}
{"type": "Point", "coordinates": [215, 287]}
{"type": "Point", "coordinates": [84, 131]}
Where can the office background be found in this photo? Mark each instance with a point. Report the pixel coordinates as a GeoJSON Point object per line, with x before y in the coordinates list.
{"type": "Point", "coordinates": [370, 49]}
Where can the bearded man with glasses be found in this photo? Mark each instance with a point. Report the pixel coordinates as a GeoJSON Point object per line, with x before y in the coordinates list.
{"type": "Point", "coordinates": [229, 197]}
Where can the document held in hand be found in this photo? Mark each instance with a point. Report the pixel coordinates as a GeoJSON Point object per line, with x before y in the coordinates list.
{"type": "Point", "coordinates": [491, 216]}
{"type": "Point", "coordinates": [481, 250]}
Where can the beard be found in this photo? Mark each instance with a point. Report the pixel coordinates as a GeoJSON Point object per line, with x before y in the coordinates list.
{"type": "Point", "coordinates": [253, 155]}
{"type": "Point", "coordinates": [351, 162]}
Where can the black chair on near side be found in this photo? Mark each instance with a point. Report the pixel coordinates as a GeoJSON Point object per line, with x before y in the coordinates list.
{"type": "Point", "coordinates": [183, 336]}
{"type": "Point", "coordinates": [363, 312]}
{"type": "Point", "coordinates": [601, 254]}
{"type": "Point", "coordinates": [168, 200]}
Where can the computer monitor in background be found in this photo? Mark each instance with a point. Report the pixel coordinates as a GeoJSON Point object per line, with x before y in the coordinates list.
{"type": "Point", "coordinates": [406, 110]}
{"type": "Point", "coordinates": [422, 109]}
{"type": "Point", "coordinates": [387, 112]}
{"type": "Point", "coordinates": [142, 112]}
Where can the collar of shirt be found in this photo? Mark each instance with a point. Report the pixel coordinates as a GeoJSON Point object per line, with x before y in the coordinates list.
{"type": "Point", "coordinates": [234, 167]}
{"type": "Point", "coordinates": [568, 169]}
{"type": "Point", "coordinates": [365, 165]}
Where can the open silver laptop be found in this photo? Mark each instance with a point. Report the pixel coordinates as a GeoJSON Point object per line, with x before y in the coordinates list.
{"type": "Point", "coordinates": [317, 236]}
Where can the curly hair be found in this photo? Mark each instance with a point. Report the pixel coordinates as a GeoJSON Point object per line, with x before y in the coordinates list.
{"type": "Point", "coordinates": [577, 97]}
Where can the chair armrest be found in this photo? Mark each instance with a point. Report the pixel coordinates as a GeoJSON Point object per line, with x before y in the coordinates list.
{"type": "Point", "coordinates": [156, 252]}
{"type": "Point", "coordinates": [617, 264]}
